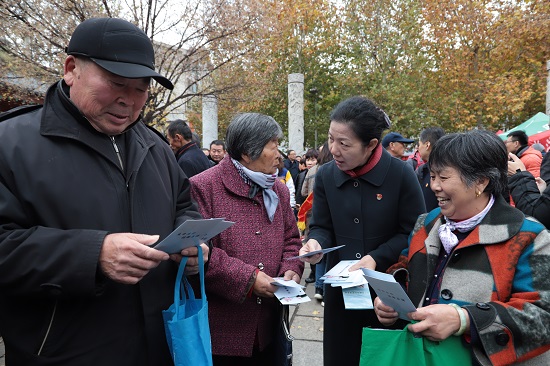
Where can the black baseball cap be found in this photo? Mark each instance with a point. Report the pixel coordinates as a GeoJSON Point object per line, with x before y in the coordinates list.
{"type": "Point", "coordinates": [118, 46]}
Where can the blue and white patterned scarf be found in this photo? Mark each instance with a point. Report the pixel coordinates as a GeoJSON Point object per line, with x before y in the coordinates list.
{"type": "Point", "coordinates": [257, 181]}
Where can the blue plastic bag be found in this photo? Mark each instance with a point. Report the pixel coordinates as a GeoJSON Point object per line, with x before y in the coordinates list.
{"type": "Point", "coordinates": [186, 322]}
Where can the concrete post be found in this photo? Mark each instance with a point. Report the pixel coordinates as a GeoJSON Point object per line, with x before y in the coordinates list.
{"type": "Point", "coordinates": [296, 112]}
{"type": "Point", "coordinates": [209, 120]}
{"type": "Point", "coordinates": [548, 89]}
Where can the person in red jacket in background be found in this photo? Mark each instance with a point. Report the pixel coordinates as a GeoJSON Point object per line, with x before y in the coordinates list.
{"type": "Point", "coordinates": [517, 143]}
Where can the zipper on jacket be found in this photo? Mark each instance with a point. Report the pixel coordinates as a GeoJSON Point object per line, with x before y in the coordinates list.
{"type": "Point", "coordinates": [117, 152]}
{"type": "Point", "coordinates": [48, 330]}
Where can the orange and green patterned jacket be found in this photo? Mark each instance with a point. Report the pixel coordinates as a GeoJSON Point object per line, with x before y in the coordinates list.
{"type": "Point", "coordinates": [500, 273]}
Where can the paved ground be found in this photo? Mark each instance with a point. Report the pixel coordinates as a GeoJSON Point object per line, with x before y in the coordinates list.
{"type": "Point", "coordinates": [306, 325]}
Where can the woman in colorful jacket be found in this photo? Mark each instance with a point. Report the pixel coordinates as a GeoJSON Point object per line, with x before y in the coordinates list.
{"type": "Point", "coordinates": [476, 267]}
{"type": "Point", "coordinates": [244, 188]}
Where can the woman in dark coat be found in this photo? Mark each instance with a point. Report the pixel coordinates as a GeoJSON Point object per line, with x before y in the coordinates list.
{"type": "Point", "coordinates": [367, 201]}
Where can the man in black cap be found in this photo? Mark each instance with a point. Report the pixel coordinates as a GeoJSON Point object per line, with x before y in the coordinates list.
{"type": "Point", "coordinates": [86, 189]}
{"type": "Point", "coordinates": [394, 143]}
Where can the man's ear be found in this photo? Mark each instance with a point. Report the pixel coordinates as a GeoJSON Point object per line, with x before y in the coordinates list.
{"type": "Point", "coordinates": [70, 70]}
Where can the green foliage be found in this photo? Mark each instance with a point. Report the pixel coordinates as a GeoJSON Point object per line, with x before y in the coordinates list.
{"type": "Point", "coordinates": [456, 64]}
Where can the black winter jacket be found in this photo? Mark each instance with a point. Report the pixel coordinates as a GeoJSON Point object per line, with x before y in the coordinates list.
{"type": "Point", "coordinates": [527, 197]}
{"type": "Point", "coordinates": [299, 184]}
{"type": "Point", "coordinates": [62, 190]}
{"type": "Point", "coordinates": [423, 174]}
{"type": "Point", "coordinates": [192, 160]}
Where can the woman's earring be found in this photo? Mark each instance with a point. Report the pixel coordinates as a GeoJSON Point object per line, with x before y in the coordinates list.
{"type": "Point", "coordinates": [478, 193]}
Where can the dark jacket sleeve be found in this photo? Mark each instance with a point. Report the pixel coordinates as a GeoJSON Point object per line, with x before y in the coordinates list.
{"type": "Point", "coordinates": [186, 206]}
{"type": "Point", "coordinates": [411, 205]}
{"type": "Point", "coordinates": [299, 183]}
{"type": "Point", "coordinates": [187, 167]}
{"type": "Point", "coordinates": [527, 197]}
{"type": "Point", "coordinates": [545, 168]}
{"type": "Point", "coordinates": [320, 224]}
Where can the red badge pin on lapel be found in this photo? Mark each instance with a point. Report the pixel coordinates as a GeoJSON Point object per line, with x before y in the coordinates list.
{"type": "Point", "coordinates": [378, 196]}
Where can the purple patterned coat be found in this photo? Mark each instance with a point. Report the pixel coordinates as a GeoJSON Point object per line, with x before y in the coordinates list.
{"type": "Point", "coordinates": [235, 319]}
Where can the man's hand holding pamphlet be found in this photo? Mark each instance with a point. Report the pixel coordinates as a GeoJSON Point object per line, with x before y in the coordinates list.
{"type": "Point", "coordinates": [192, 233]}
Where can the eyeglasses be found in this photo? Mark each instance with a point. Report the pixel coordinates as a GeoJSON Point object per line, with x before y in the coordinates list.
{"type": "Point", "coordinates": [508, 141]}
{"type": "Point", "coordinates": [397, 142]}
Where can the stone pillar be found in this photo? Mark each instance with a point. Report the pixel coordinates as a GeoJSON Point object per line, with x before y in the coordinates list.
{"type": "Point", "coordinates": [209, 120]}
{"type": "Point", "coordinates": [548, 89]}
{"type": "Point", "coordinates": [296, 112]}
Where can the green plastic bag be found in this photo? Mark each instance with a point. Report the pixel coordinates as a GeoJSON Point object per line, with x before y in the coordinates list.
{"type": "Point", "coordinates": [400, 347]}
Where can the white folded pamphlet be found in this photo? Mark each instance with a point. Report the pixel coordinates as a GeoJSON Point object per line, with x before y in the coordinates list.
{"type": "Point", "coordinates": [289, 292]}
{"type": "Point", "coordinates": [354, 286]}
{"type": "Point", "coordinates": [339, 273]}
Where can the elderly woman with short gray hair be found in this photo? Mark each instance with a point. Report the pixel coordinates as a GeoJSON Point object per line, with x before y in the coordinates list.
{"type": "Point", "coordinates": [476, 267]}
{"type": "Point", "coordinates": [244, 188]}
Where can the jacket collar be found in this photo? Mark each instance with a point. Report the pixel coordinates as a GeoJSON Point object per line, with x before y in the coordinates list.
{"type": "Point", "coordinates": [61, 118]}
{"type": "Point", "coordinates": [186, 147]}
{"type": "Point", "coordinates": [521, 150]}
{"type": "Point", "coordinates": [58, 104]}
{"type": "Point", "coordinates": [375, 176]}
{"type": "Point", "coordinates": [424, 170]}
{"type": "Point", "coordinates": [232, 180]}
